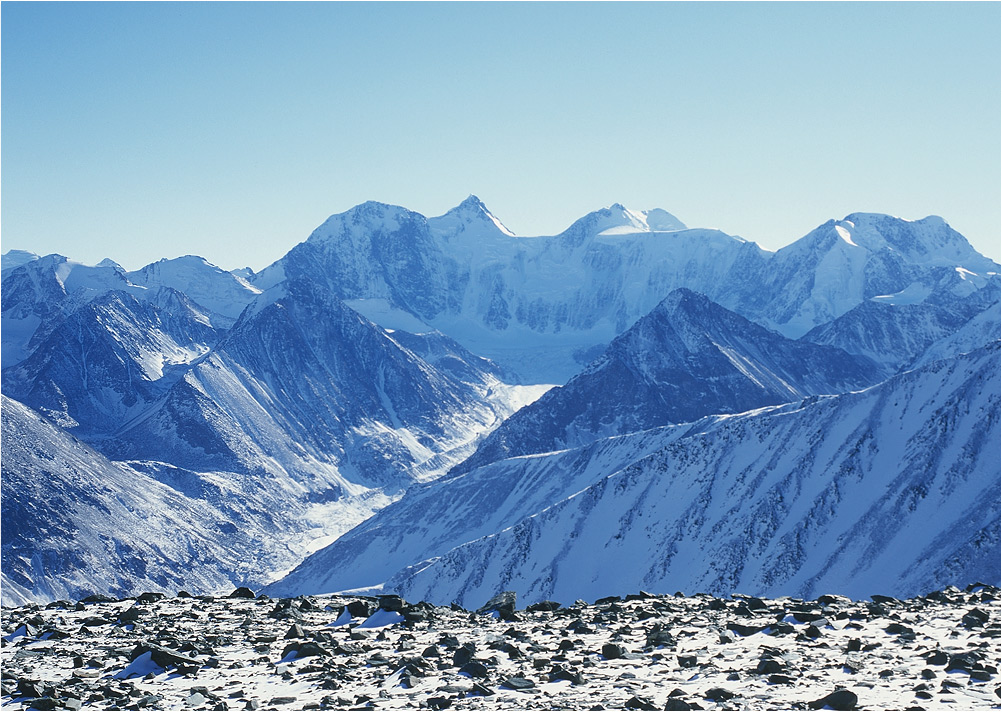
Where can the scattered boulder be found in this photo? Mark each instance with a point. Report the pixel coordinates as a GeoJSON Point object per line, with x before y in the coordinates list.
{"type": "Point", "coordinates": [241, 592]}
{"type": "Point", "coordinates": [840, 699]}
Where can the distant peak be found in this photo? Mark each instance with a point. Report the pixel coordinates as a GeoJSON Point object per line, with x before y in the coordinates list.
{"type": "Point", "coordinates": [617, 219]}
{"type": "Point", "coordinates": [471, 213]}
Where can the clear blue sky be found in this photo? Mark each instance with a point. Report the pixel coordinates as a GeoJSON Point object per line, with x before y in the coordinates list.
{"type": "Point", "coordinates": [144, 130]}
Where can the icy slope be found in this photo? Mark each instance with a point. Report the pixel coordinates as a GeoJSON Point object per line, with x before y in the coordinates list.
{"type": "Point", "coordinates": [832, 493]}
{"type": "Point", "coordinates": [688, 358]}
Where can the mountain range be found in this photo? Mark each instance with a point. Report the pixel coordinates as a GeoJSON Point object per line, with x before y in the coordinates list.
{"type": "Point", "coordinates": [362, 398]}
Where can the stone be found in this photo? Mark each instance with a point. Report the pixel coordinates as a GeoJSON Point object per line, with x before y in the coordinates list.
{"type": "Point", "coordinates": [612, 651]}
{"type": "Point", "coordinates": [391, 602]}
{"type": "Point", "coordinates": [474, 668]}
{"type": "Point", "coordinates": [674, 704]}
{"type": "Point", "coordinates": [543, 607]}
{"type": "Point", "coordinates": [296, 631]}
{"type": "Point", "coordinates": [639, 703]}
{"type": "Point", "coordinates": [360, 609]}
{"type": "Point", "coordinates": [719, 694]}
{"type": "Point", "coordinates": [130, 615]}
{"type": "Point", "coordinates": [503, 603]}
{"type": "Point", "coordinates": [768, 666]}
{"type": "Point", "coordinates": [518, 683]}
{"type": "Point", "coordinates": [840, 699]}
{"type": "Point", "coordinates": [463, 654]}
{"type": "Point", "coordinates": [241, 592]}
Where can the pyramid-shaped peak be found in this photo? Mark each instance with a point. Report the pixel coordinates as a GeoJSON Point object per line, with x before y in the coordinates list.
{"type": "Point", "coordinates": [470, 215]}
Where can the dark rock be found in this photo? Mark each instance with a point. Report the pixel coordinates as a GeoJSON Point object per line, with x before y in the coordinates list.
{"type": "Point", "coordinates": [964, 661]}
{"type": "Point", "coordinates": [474, 668]}
{"type": "Point", "coordinates": [503, 603]}
{"type": "Point", "coordinates": [518, 683]}
{"type": "Point", "coordinates": [744, 630]}
{"type": "Point", "coordinates": [296, 631]}
{"type": "Point", "coordinates": [854, 646]}
{"type": "Point", "coordinates": [659, 636]}
{"type": "Point", "coordinates": [639, 703]}
{"type": "Point", "coordinates": [543, 607]}
{"type": "Point", "coordinates": [674, 704]}
{"type": "Point", "coordinates": [687, 661]}
{"type": "Point", "coordinates": [150, 597]}
{"type": "Point", "coordinates": [884, 600]}
{"type": "Point", "coordinates": [281, 700]}
{"type": "Point", "coordinates": [360, 609]}
{"type": "Point", "coordinates": [841, 699]}
{"type": "Point", "coordinates": [241, 592]}
{"type": "Point", "coordinates": [479, 689]}
{"type": "Point", "coordinates": [431, 651]}
{"type": "Point", "coordinates": [304, 649]}
{"type": "Point", "coordinates": [252, 705]}
{"type": "Point", "coordinates": [938, 658]}
{"type": "Point", "coordinates": [607, 600]}
{"type": "Point", "coordinates": [561, 673]}
{"type": "Point", "coordinates": [900, 630]}
{"type": "Point", "coordinates": [438, 703]}
{"type": "Point", "coordinates": [98, 598]}
{"type": "Point", "coordinates": [779, 679]}
{"type": "Point", "coordinates": [719, 694]}
{"type": "Point", "coordinates": [131, 615]}
{"type": "Point", "coordinates": [975, 618]}
{"type": "Point", "coordinates": [812, 632]}
{"type": "Point", "coordinates": [463, 654]}
{"type": "Point", "coordinates": [391, 602]}
{"type": "Point", "coordinates": [162, 656]}
{"type": "Point", "coordinates": [768, 666]}
{"type": "Point", "coordinates": [612, 651]}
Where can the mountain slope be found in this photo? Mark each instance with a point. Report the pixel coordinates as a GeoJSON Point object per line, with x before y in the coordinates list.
{"type": "Point", "coordinates": [829, 494]}
{"type": "Point", "coordinates": [111, 358]}
{"type": "Point", "coordinates": [688, 358]}
{"type": "Point", "coordinates": [75, 523]}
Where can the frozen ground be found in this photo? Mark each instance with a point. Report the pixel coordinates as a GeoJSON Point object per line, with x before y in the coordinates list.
{"type": "Point", "coordinates": [644, 652]}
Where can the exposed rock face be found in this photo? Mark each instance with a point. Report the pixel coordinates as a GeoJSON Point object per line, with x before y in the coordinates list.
{"type": "Point", "coordinates": [643, 652]}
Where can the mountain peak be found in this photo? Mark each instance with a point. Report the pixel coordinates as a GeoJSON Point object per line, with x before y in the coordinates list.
{"type": "Point", "coordinates": [929, 241]}
{"type": "Point", "coordinates": [469, 215]}
{"type": "Point", "coordinates": [617, 219]}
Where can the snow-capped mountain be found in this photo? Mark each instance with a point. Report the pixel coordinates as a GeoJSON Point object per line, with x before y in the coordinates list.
{"type": "Point", "coordinates": [829, 494]}
{"type": "Point", "coordinates": [223, 294]}
{"type": "Point", "coordinates": [39, 293]}
{"type": "Point", "coordinates": [15, 258]}
{"type": "Point", "coordinates": [111, 358]}
{"type": "Point", "coordinates": [287, 406]}
{"type": "Point", "coordinates": [306, 387]}
{"type": "Point", "coordinates": [896, 334]}
{"type": "Point", "coordinates": [688, 358]}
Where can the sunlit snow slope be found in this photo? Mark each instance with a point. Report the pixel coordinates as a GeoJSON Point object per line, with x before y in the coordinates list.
{"type": "Point", "coordinates": [891, 490]}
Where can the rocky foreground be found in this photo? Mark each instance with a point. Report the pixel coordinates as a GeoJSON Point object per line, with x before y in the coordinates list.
{"type": "Point", "coordinates": [644, 652]}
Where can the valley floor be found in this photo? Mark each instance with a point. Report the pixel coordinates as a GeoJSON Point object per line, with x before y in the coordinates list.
{"type": "Point", "coordinates": [646, 652]}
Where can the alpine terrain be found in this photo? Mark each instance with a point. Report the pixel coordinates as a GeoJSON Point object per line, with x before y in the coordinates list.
{"type": "Point", "coordinates": [438, 408]}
